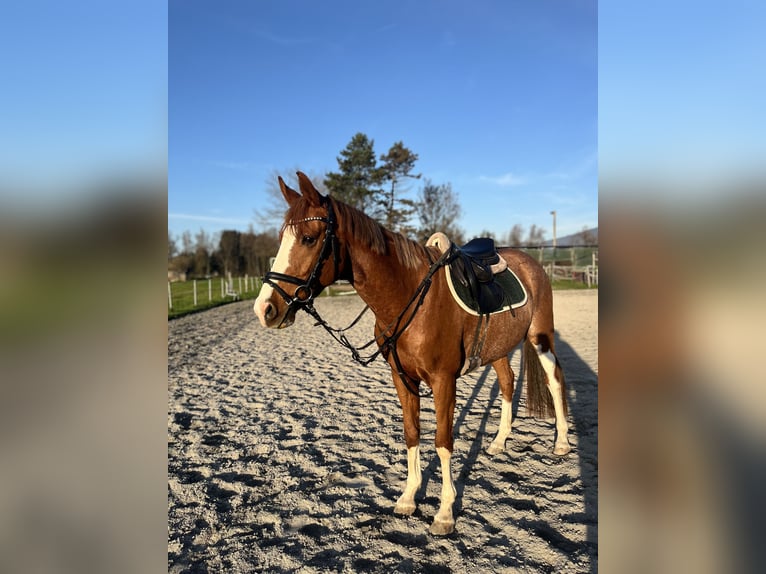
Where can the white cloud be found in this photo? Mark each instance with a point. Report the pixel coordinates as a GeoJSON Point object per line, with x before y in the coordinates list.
{"type": "Point", "coordinates": [505, 180]}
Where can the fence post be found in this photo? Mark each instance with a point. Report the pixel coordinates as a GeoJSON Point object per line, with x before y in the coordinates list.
{"type": "Point", "coordinates": [594, 260]}
{"type": "Point", "coordinates": [209, 290]}
{"type": "Point", "coordinates": [170, 297]}
{"type": "Point", "coordinates": [195, 292]}
{"type": "Point", "coordinates": [553, 265]}
{"type": "Point", "coordinates": [222, 293]}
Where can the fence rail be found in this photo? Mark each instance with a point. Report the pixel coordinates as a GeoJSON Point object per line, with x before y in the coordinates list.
{"type": "Point", "coordinates": [201, 293]}
{"type": "Point", "coordinates": [565, 262]}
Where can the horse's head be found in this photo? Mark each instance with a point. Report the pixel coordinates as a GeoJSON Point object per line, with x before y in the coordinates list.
{"type": "Point", "coordinates": [308, 258]}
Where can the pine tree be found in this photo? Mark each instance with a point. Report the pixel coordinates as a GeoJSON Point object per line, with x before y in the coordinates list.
{"type": "Point", "coordinates": [358, 180]}
{"type": "Point", "coordinates": [397, 210]}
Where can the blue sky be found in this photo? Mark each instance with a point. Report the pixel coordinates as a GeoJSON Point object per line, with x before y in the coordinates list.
{"type": "Point", "coordinates": [682, 86]}
{"type": "Point", "coordinates": [83, 93]}
{"type": "Point", "coordinates": [497, 98]}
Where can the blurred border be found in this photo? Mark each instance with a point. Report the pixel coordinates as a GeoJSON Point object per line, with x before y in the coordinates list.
{"type": "Point", "coordinates": [83, 365]}
{"type": "Point", "coordinates": [83, 200]}
{"type": "Point", "coordinates": [682, 201]}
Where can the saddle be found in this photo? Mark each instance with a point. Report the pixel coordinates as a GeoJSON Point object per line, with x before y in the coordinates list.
{"type": "Point", "coordinates": [474, 267]}
{"type": "Point", "coordinates": [481, 284]}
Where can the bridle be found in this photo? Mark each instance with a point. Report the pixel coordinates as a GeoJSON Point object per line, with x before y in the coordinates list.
{"type": "Point", "coordinates": [308, 289]}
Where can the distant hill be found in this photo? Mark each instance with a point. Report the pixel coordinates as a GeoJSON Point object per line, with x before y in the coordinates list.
{"type": "Point", "coordinates": [575, 239]}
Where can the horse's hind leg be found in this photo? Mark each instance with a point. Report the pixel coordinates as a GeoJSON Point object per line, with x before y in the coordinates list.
{"type": "Point", "coordinates": [505, 379]}
{"type": "Point", "coordinates": [547, 355]}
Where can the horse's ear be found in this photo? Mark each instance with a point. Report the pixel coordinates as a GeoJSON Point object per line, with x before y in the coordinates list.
{"type": "Point", "coordinates": [291, 196]}
{"type": "Point", "coordinates": [308, 190]}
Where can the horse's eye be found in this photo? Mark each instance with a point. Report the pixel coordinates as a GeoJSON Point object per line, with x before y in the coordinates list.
{"type": "Point", "coordinates": [308, 240]}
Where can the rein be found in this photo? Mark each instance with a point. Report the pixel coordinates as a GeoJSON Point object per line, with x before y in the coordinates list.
{"type": "Point", "coordinates": [308, 289]}
{"type": "Point", "coordinates": [389, 341]}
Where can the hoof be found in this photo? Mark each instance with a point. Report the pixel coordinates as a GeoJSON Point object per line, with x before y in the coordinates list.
{"type": "Point", "coordinates": [562, 449]}
{"type": "Point", "coordinates": [404, 508]}
{"type": "Point", "coordinates": [442, 527]}
{"type": "Point", "coordinates": [494, 449]}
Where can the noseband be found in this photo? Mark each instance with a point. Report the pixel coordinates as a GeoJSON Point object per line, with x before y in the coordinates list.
{"type": "Point", "coordinates": [308, 289]}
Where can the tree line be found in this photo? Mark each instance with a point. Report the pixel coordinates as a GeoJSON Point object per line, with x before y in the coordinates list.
{"type": "Point", "coordinates": [380, 186]}
{"type": "Point", "coordinates": [229, 252]}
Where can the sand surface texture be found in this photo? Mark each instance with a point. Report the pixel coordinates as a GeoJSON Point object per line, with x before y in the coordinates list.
{"type": "Point", "coordinates": [284, 455]}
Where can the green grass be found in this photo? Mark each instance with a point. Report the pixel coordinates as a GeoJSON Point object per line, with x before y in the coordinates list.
{"type": "Point", "coordinates": [561, 284]}
{"type": "Point", "coordinates": [208, 294]}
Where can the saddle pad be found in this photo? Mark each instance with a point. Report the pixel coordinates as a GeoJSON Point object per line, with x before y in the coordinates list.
{"type": "Point", "coordinates": [515, 294]}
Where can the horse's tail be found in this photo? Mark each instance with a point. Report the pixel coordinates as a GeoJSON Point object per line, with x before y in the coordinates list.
{"type": "Point", "coordinates": [539, 400]}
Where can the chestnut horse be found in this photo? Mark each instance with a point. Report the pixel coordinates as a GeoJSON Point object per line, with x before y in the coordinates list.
{"type": "Point", "coordinates": [423, 334]}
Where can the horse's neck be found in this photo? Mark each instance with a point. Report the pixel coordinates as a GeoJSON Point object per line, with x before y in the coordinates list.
{"type": "Point", "coordinates": [383, 282]}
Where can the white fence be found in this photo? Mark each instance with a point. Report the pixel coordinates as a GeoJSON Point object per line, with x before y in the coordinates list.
{"type": "Point", "coordinates": [578, 263]}
{"type": "Point", "coordinates": [587, 274]}
{"type": "Point", "coordinates": [201, 293]}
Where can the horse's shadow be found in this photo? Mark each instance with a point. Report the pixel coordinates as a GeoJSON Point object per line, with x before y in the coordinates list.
{"type": "Point", "coordinates": [583, 418]}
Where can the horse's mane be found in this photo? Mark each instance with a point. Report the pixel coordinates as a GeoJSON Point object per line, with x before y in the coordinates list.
{"type": "Point", "coordinates": [366, 231]}
{"type": "Point", "coordinates": [372, 234]}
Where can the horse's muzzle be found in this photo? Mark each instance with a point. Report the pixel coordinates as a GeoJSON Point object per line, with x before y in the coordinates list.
{"type": "Point", "coordinates": [270, 316]}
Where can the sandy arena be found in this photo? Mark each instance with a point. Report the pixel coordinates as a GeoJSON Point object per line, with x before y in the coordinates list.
{"type": "Point", "coordinates": [284, 455]}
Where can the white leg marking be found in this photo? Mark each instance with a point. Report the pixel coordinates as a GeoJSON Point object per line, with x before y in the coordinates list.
{"type": "Point", "coordinates": [504, 431]}
{"type": "Point", "coordinates": [548, 361]}
{"type": "Point", "coordinates": [280, 266]}
{"type": "Point", "coordinates": [444, 523]}
{"type": "Point", "coordinates": [406, 503]}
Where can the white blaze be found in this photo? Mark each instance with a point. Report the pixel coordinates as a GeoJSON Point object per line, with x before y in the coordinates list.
{"type": "Point", "coordinates": [280, 266]}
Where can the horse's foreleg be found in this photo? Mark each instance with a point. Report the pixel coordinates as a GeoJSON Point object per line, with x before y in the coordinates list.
{"type": "Point", "coordinates": [548, 361]}
{"type": "Point", "coordinates": [411, 411]}
{"type": "Point", "coordinates": [505, 380]}
{"type": "Point", "coordinates": [406, 504]}
{"type": "Point", "coordinates": [444, 523]}
{"type": "Point", "coordinates": [444, 399]}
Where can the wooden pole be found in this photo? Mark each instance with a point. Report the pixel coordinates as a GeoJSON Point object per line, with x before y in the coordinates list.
{"type": "Point", "coordinates": [170, 297]}
{"type": "Point", "coordinates": [195, 292]}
